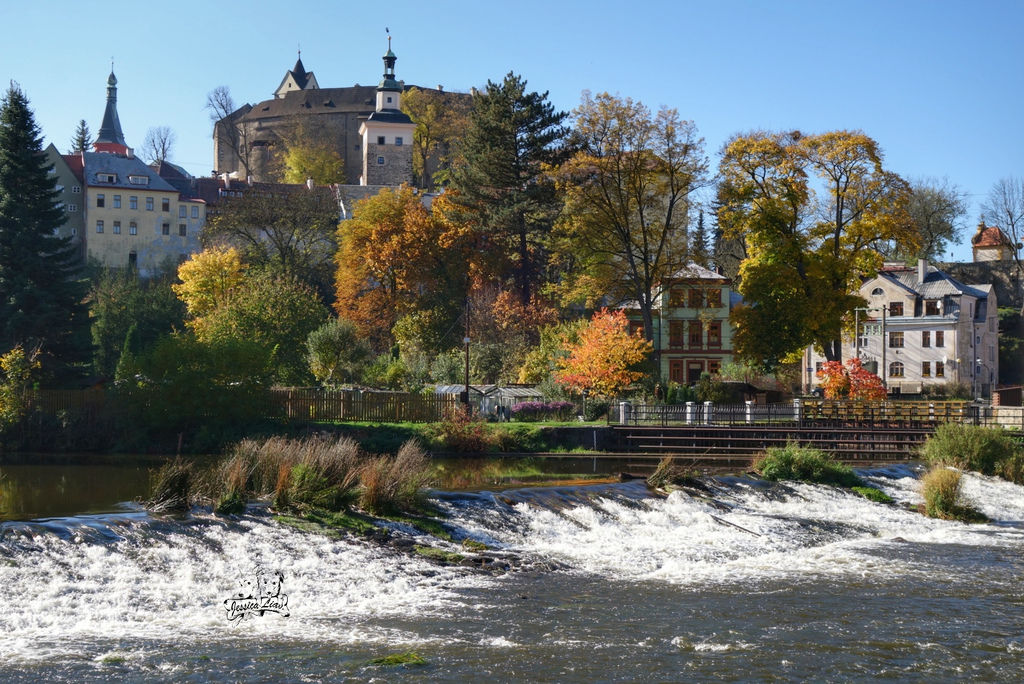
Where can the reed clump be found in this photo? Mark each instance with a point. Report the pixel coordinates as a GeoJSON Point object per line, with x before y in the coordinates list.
{"type": "Point", "coordinates": [668, 473]}
{"type": "Point", "coordinates": [394, 483]}
{"type": "Point", "coordinates": [172, 487]}
{"type": "Point", "coordinates": [795, 462]}
{"type": "Point", "coordinates": [940, 488]}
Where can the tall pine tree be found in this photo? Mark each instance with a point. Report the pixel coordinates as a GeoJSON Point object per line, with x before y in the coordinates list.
{"type": "Point", "coordinates": [40, 298]}
{"type": "Point", "coordinates": [83, 138]}
{"type": "Point", "coordinates": [501, 186]}
{"type": "Point", "coordinates": [699, 253]}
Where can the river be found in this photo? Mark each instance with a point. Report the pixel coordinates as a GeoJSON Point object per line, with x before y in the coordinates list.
{"type": "Point", "coordinates": [796, 582]}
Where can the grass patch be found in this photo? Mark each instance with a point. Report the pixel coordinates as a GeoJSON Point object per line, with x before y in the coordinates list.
{"type": "Point", "coordinates": [989, 451]}
{"type": "Point", "coordinates": [940, 488]}
{"type": "Point", "coordinates": [794, 462]}
{"type": "Point", "coordinates": [473, 545]}
{"type": "Point", "coordinates": [395, 483]}
{"type": "Point", "coordinates": [113, 660]}
{"type": "Point", "coordinates": [434, 553]}
{"type": "Point", "coordinates": [873, 494]}
{"type": "Point", "coordinates": [424, 524]}
{"type": "Point", "coordinates": [408, 659]}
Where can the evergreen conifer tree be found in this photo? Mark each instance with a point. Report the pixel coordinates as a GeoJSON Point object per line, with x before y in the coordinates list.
{"type": "Point", "coordinates": [699, 243]}
{"type": "Point", "coordinates": [83, 138]}
{"type": "Point", "coordinates": [40, 299]}
{"type": "Point", "coordinates": [512, 135]}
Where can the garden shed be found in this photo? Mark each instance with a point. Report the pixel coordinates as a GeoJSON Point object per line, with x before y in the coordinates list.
{"type": "Point", "coordinates": [485, 399]}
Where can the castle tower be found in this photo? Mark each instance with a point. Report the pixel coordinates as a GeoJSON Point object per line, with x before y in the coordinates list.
{"type": "Point", "coordinates": [110, 137]}
{"type": "Point", "coordinates": [296, 79]}
{"type": "Point", "coordinates": [387, 133]}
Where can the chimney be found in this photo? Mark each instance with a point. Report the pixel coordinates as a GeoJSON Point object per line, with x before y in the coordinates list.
{"type": "Point", "coordinates": [922, 270]}
{"type": "Point", "coordinates": [227, 180]}
{"type": "Point", "coordinates": [309, 183]}
{"type": "Point", "coordinates": [440, 88]}
{"type": "Point", "coordinates": [129, 152]}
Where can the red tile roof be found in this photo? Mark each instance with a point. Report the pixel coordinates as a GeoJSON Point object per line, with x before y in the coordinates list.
{"type": "Point", "coordinates": [991, 236]}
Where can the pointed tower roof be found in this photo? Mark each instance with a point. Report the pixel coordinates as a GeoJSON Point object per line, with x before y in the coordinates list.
{"type": "Point", "coordinates": [299, 73]}
{"type": "Point", "coordinates": [110, 137]}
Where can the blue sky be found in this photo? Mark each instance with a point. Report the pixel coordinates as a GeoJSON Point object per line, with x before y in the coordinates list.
{"type": "Point", "coordinates": [937, 84]}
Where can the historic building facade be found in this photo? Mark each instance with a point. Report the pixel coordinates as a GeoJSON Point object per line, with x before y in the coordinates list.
{"type": "Point", "coordinates": [935, 330]}
{"type": "Point", "coordinates": [364, 124]}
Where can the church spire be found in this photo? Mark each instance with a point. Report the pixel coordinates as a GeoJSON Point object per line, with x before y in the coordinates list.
{"type": "Point", "coordinates": [389, 82]}
{"type": "Point", "coordinates": [110, 135]}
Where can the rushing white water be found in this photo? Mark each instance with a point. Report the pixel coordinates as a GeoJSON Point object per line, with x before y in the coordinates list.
{"type": "Point", "coordinates": [74, 585]}
{"type": "Point", "coordinates": [91, 588]}
{"type": "Point", "coordinates": [748, 532]}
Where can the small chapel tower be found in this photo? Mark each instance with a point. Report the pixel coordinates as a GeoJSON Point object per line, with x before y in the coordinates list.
{"type": "Point", "coordinates": [296, 79]}
{"type": "Point", "coordinates": [387, 133]}
{"type": "Point", "coordinates": [110, 137]}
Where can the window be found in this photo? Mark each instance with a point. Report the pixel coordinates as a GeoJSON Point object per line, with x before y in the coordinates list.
{"type": "Point", "coordinates": [138, 180]}
{"type": "Point", "coordinates": [149, 204]}
{"type": "Point", "coordinates": [895, 308]}
{"type": "Point", "coordinates": [696, 334]}
{"type": "Point", "coordinates": [99, 226]}
{"type": "Point", "coordinates": [389, 99]}
{"type": "Point", "coordinates": [117, 201]}
{"type": "Point", "coordinates": [677, 297]}
{"type": "Point", "coordinates": [74, 232]}
{"type": "Point", "coordinates": [931, 307]}
{"type": "Point", "coordinates": [133, 259]}
{"type": "Point", "coordinates": [182, 211]}
{"type": "Point", "coordinates": [398, 141]}
{"type": "Point", "coordinates": [926, 369]}
{"type": "Point", "coordinates": [818, 365]}
{"type": "Point", "coordinates": [714, 299]}
{"type": "Point", "coordinates": [940, 338]}
{"type": "Point", "coordinates": [926, 338]}
{"type": "Point", "coordinates": [75, 189]}
{"type": "Point", "coordinates": [133, 202]}
{"type": "Point", "coordinates": [100, 201]}
{"type": "Point", "coordinates": [195, 212]}
{"type": "Point", "coordinates": [895, 339]}
{"type": "Point", "coordinates": [714, 366]}
{"type": "Point", "coordinates": [895, 369]}
{"type": "Point", "coordinates": [380, 161]}
{"type": "Point", "coordinates": [940, 369]}
{"type": "Point", "coordinates": [877, 291]}
{"type": "Point", "coordinates": [72, 207]}
{"type": "Point", "coordinates": [59, 188]}
{"type": "Point", "coordinates": [133, 228]}
{"type": "Point", "coordinates": [715, 334]}
{"type": "Point", "coordinates": [106, 178]}
{"type": "Point", "coordinates": [165, 204]}
{"type": "Point", "coordinates": [380, 139]}
{"type": "Point", "coordinates": [166, 229]}
{"type": "Point", "coordinates": [117, 227]}
{"type": "Point", "coordinates": [695, 298]}
{"type": "Point", "coordinates": [675, 334]}
{"type": "Point", "coordinates": [636, 328]}
{"type": "Point", "coordinates": [182, 230]}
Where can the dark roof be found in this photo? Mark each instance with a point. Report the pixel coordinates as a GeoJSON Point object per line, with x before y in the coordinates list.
{"type": "Point", "coordinates": [110, 129]}
{"type": "Point", "coordinates": [122, 167]}
{"type": "Point", "coordinates": [390, 116]}
{"type": "Point", "coordinates": [359, 99]}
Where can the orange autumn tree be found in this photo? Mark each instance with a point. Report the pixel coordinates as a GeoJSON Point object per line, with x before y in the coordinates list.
{"type": "Point", "coordinates": [852, 382]}
{"type": "Point", "coordinates": [599, 363]}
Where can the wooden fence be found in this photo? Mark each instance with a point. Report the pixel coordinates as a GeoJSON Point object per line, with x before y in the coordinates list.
{"type": "Point", "coordinates": [88, 404]}
{"type": "Point", "coordinates": [341, 405]}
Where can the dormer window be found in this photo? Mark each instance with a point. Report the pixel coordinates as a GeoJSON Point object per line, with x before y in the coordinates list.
{"type": "Point", "coordinates": [106, 178]}
{"type": "Point", "coordinates": [138, 180]}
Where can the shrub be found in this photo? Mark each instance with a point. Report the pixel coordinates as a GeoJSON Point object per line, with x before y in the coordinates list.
{"type": "Point", "coordinates": [529, 411]}
{"type": "Point", "coordinates": [969, 447]}
{"type": "Point", "coordinates": [394, 483]}
{"type": "Point", "coordinates": [940, 488]}
{"type": "Point", "coordinates": [460, 432]}
{"type": "Point", "coordinates": [1012, 468]}
{"type": "Point", "coordinates": [794, 462]}
{"type": "Point", "coordinates": [596, 409]}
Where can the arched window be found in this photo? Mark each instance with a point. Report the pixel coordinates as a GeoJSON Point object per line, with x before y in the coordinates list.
{"type": "Point", "coordinates": [877, 291]}
{"type": "Point", "coordinates": [895, 369]}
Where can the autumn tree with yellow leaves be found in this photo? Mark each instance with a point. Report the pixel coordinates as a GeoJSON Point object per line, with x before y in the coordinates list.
{"type": "Point", "coordinates": [814, 213]}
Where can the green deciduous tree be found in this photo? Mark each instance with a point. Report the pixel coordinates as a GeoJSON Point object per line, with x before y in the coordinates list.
{"type": "Point", "coordinates": [814, 214]}
{"type": "Point", "coordinates": [627, 200]}
{"type": "Point", "coordinates": [40, 294]}
{"type": "Point", "coordinates": [336, 352]}
{"type": "Point", "coordinates": [500, 187]}
{"type": "Point", "coordinates": [440, 120]}
{"type": "Point", "coordinates": [937, 208]}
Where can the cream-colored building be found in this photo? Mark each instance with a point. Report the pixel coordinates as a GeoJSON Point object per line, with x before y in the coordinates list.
{"type": "Point", "coordinates": [130, 216]}
{"type": "Point", "coordinates": [936, 330]}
